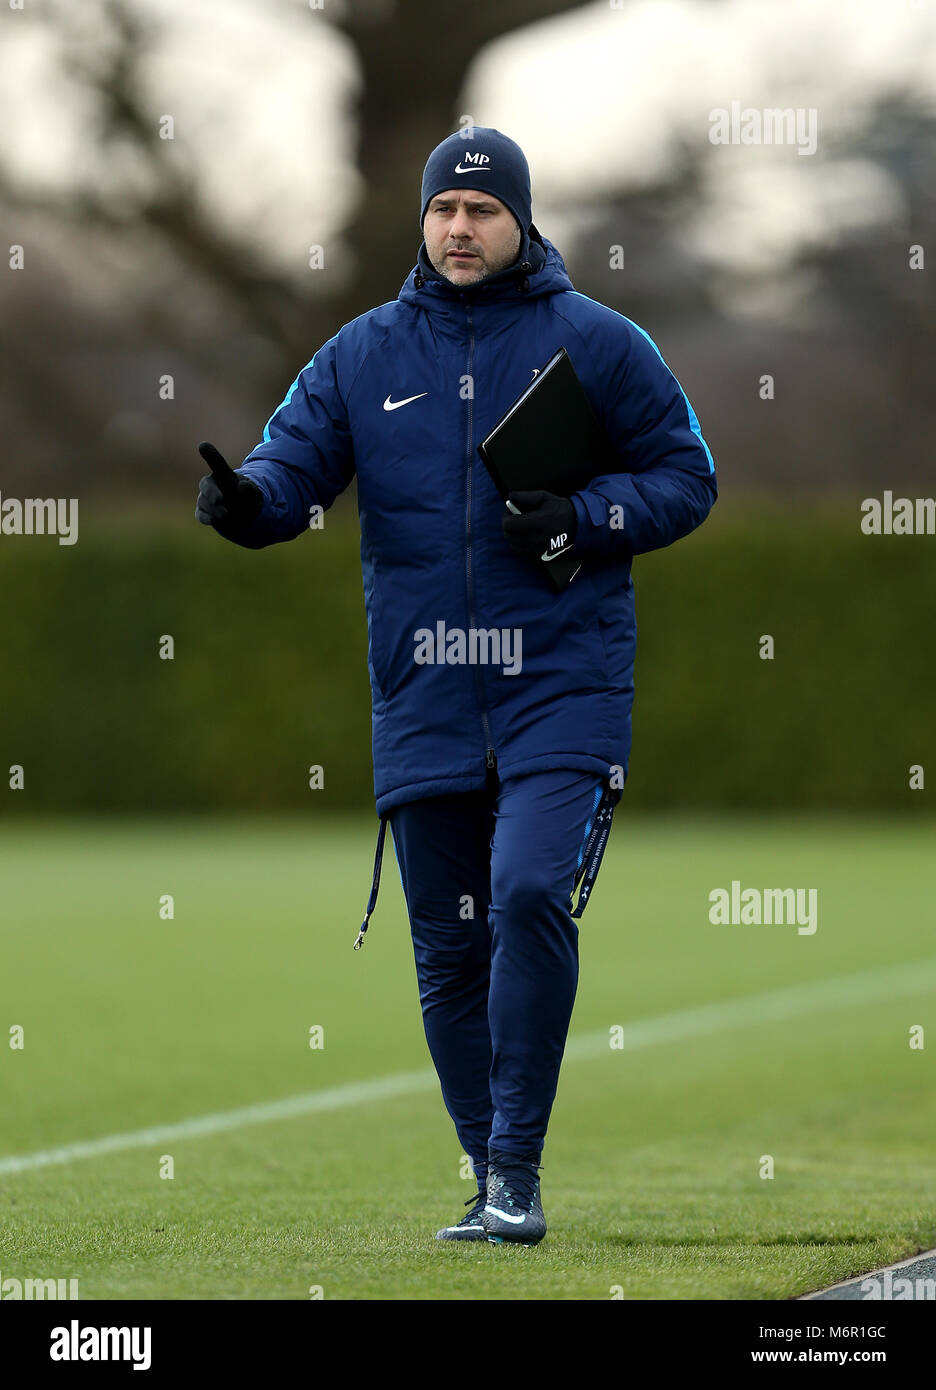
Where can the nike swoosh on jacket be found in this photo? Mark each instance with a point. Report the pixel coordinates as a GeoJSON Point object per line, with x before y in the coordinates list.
{"type": "Point", "coordinates": [432, 548]}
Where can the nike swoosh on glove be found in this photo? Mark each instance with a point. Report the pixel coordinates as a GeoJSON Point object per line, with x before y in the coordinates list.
{"type": "Point", "coordinates": [546, 527]}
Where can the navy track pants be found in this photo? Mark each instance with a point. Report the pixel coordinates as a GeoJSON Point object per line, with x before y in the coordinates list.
{"type": "Point", "coordinates": [488, 878]}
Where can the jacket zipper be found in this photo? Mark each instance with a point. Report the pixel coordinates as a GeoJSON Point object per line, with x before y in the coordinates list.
{"type": "Point", "coordinates": [490, 757]}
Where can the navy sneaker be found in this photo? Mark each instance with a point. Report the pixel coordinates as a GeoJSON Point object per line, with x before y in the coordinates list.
{"type": "Point", "coordinates": [513, 1211]}
{"type": "Point", "coordinates": [469, 1228]}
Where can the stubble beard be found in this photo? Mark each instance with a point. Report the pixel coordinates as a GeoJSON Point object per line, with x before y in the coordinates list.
{"type": "Point", "coordinates": [482, 271]}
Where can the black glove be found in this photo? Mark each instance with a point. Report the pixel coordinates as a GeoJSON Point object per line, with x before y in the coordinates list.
{"type": "Point", "coordinates": [546, 528]}
{"type": "Point", "coordinates": [226, 500]}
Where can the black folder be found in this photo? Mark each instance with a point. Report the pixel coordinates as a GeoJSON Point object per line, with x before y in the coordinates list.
{"type": "Point", "coordinates": [549, 439]}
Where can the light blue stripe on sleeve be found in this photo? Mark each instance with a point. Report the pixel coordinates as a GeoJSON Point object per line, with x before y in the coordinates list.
{"type": "Point", "coordinates": [292, 390]}
{"type": "Point", "coordinates": [693, 419]}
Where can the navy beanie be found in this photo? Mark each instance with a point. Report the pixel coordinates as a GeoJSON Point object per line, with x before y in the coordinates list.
{"type": "Point", "coordinates": [484, 159]}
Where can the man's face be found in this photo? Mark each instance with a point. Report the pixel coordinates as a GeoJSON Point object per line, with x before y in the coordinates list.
{"type": "Point", "coordinates": [470, 235]}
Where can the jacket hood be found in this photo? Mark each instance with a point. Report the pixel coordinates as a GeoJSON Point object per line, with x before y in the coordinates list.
{"type": "Point", "coordinates": [539, 269]}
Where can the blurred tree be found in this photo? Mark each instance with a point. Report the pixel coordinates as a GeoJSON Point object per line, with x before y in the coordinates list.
{"type": "Point", "coordinates": [847, 331]}
{"type": "Point", "coordinates": [411, 74]}
{"type": "Point", "coordinates": [869, 297]}
{"type": "Point", "coordinates": [414, 58]}
{"type": "Point", "coordinates": [852, 359]}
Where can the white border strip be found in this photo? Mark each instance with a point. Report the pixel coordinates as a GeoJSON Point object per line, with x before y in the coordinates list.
{"type": "Point", "coordinates": [890, 982]}
{"type": "Point", "coordinates": [872, 1274]}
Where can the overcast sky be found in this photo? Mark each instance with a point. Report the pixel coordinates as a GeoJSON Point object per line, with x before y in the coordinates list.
{"type": "Point", "coordinates": [597, 98]}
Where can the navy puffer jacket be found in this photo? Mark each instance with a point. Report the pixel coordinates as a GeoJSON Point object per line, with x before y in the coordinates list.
{"type": "Point", "coordinates": [402, 396]}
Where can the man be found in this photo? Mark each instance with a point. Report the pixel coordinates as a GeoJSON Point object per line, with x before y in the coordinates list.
{"type": "Point", "coordinates": [498, 776]}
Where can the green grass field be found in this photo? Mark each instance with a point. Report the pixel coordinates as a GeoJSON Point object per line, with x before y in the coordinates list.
{"type": "Point", "coordinates": [651, 1170]}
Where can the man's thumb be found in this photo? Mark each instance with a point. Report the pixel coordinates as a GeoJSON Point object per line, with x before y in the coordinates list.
{"type": "Point", "coordinates": [527, 501]}
{"type": "Point", "coordinates": [221, 470]}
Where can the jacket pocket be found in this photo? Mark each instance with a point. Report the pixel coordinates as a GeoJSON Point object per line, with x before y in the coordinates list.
{"type": "Point", "coordinates": [616, 623]}
{"type": "Point", "coordinates": [390, 648]}
{"type": "Point", "coordinates": [598, 621]}
{"type": "Point", "coordinates": [375, 626]}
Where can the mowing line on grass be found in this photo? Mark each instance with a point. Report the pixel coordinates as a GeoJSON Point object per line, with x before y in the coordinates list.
{"type": "Point", "coordinates": [869, 986]}
{"type": "Point", "coordinates": [890, 982]}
